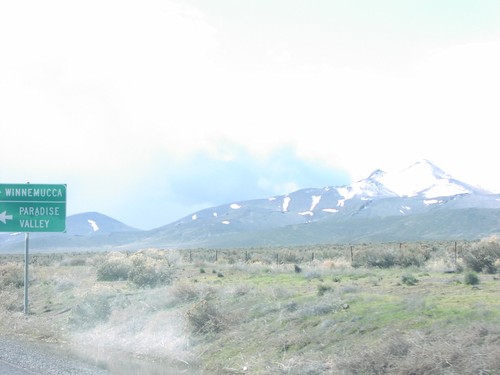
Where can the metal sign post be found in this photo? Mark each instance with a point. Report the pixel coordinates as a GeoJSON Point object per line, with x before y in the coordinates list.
{"type": "Point", "coordinates": [26, 278]}
{"type": "Point", "coordinates": [32, 208]}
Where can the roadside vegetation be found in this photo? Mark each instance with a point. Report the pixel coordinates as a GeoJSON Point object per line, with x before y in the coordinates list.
{"type": "Point", "coordinates": [399, 308]}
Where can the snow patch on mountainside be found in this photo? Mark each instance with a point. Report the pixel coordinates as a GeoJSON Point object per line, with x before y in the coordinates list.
{"type": "Point", "coordinates": [405, 210]}
{"type": "Point", "coordinates": [94, 225]}
{"type": "Point", "coordinates": [315, 201]}
{"type": "Point", "coordinates": [235, 206]}
{"type": "Point", "coordinates": [428, 202]}
{"type": "Point", "coordinates": [286, 202]}
{"type": "Point", "coordinates": [444, 188]}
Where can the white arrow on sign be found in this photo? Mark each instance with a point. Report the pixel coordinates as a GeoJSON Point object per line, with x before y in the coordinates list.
{"type": "Point", "coordinates": [4, 217]}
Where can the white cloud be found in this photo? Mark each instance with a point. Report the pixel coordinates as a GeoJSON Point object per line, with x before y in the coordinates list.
{"type": "Point", "coordinates": [112, 93]}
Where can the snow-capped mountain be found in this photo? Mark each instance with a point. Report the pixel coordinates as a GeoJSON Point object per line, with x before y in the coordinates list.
{"type": "Point", "coordinates": [423, 182]}
{"type": "Point", "coordinates": [421, 190]}
{"type": "Point", "coordinates": [421, 202]}
{"type": "Point", "coordinates": [423, 178]}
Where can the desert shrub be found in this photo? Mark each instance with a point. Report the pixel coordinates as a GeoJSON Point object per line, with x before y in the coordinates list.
{"type": "Point", "coordinates": [11, 299]}
{"type": "Point", "coordinates": [471, 278]}
{"type": "Point", "coordinates": [240, 290]}
{"type": "Point", "coordinates": [74, 261]}
{"type": "Point", "coordinates": [11, 274]}
{"type": "Point", "coordinates": [149, 272]}
{"type": "Point", "coordinates": [232, 257]}
{"type": "Point", "coordinates": [322, 289]}
{"type": "Point", "coordinates": [409, 279]}
{"type": "Point", "coordinates": [185, 292]}
{"type": "Point", "coordinates": [484, 256]}
{"type": "Point", "coordinates": [328, 263]}
{"type": "Point", "coordinates": [378, 359]}
{"type": "Point", "coordinates": [115, 266]}
{"type": "Point", "coordinates": [318, 309]}
{"type": "Point", "coordinates": [412, 256]}
{"type": "Point", "coordinates": [379, 258]}
{"type": "Point", "coordinates": [173, 256]}
{"type": "Point", "coordinates": [472, 350]}
{"type": "Point", "coordinates": [205, 317]}
{"type": "Point", "coordinates": [62, 284]}
{"type": "Point", "coordinates": [387, 257]}
{"type": "Point", "coordinates": [291, 257]}
{"type": "Point", "coordinates": [44, 260]}
{"type": "Point", "coordinates": [93, 310]}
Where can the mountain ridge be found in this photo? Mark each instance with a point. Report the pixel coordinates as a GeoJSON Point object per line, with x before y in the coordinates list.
{"type": "Point", "coordinates": [420, 201]}
{"type": "Point", "coordinates": [421, 189]}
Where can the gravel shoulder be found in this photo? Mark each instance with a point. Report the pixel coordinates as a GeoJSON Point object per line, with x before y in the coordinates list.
{"type": "Point", "coordinates": [38, 358]}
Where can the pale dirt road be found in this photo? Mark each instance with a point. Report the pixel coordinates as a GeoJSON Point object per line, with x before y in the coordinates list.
{"type": "Point", "coordinates": [28, 358]}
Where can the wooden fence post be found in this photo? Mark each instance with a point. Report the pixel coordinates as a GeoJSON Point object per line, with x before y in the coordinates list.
{"type": "Point", "coordinates": [455, 254]}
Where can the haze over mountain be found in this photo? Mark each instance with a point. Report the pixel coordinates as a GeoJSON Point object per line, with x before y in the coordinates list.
{"type": "Point", "coordinates": [421, 202]}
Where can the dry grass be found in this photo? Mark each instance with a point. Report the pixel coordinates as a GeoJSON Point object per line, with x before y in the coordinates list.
{"type": "Point", "coordinates": [472, 350]}
{"type": "Point", "coordinates": [262, 316]}
{"type": "Point", "coordinates": [11, 274]}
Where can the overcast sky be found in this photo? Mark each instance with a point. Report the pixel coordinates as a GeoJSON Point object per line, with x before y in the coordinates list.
{"type": "Point", "coordinates": [150, 110]}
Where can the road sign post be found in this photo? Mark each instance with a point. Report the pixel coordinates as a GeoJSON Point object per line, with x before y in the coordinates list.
{"type": "Point", "coordinates": [32, 208]}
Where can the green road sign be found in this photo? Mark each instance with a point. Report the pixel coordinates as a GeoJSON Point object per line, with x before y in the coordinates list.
{"type": "Point", "coordinates": [32, 208]}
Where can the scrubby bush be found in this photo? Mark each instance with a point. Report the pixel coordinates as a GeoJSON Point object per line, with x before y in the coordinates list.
{"type": "Point", "coordinates": [11, 299]}
{"type": "Point", "coordinates": [74, 261]}
{"type": "Point", "coordinates": [387, 257]}
{"type": "Point", "coordinates": [409, 279]}
{"type": "Point", "coordinates": [185, 291]}
{"type": "Point", "coordinates": [484, 256]}
{"type": "Point", "coordinates": [380, 258]}
{"type": "Point", "coordinates": [93, 310]}
{"type": "Point", "coordinates": [205, 317]}
{"type": "Point", "coordinates": [291, 257]}
{"type": "Point", "coordinates": [149, 272]}
{"type": "Point", "coordinates": [11, 274]}
{"type": "Point", "coordinates": [322, 289]}
{"type": "Point", "coordinates": [115, 266]}
{"type": "Point", "coordinates": [471, 278]}
{"type": "Point", "coordinates": [412, 256]}
{"type": "Point", "coordinates": [472, 350]}
{"type": "Point", "coordinates": [145, 268]}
